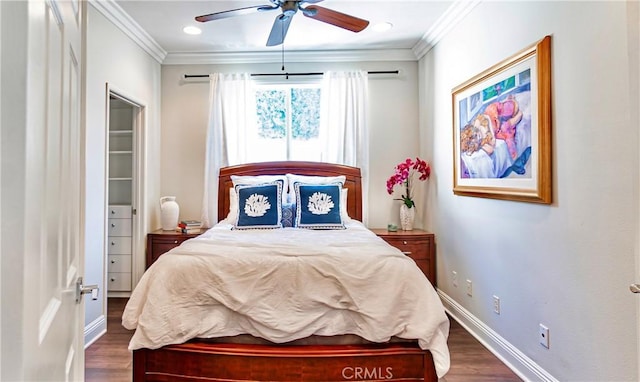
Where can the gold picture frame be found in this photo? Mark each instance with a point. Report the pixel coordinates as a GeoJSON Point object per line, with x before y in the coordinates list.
{"type": "Point", "coordinates": [502, 129]}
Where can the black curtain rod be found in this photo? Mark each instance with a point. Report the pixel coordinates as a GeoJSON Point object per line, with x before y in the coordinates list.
{"type": "Point", "coordinates": [292, 74]}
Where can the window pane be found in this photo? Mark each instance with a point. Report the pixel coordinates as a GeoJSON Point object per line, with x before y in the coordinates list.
{"type": "Point", "coordinates": [305, 121]}
{"type": "Point", "coordinates": [305, 109]}
{"type": "Point", "coordinates": [271, 108]}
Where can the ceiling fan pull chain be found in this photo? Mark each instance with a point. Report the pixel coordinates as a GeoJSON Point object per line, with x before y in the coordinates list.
{"type": "Point", "coordinates": [282, 30]}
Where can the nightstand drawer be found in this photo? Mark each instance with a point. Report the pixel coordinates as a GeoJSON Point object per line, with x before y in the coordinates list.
{"type": "Point", "coordinates": [119, 245]}
{"type": "Point", "coordinates": [417, 244]}
{"type": "Point", "coordinates": [163, 247]}
{"type": "Point", "coordinates": [417, 249]}
{"type": "Point", "coordinates": [425, 267]}
{"type": "Point", "coordinates": [160, 242]}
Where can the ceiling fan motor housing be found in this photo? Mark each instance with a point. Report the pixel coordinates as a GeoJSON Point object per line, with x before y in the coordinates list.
{"type": "Point", "coordinates": [289, 8]}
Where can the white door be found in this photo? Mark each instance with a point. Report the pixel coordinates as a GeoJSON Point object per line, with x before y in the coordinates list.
{"type": "Point", "coordinates": [42, 190]}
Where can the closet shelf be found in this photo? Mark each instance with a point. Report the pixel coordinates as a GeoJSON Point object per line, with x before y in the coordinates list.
{"type": "Point", "coordinates": [120, 179]}
{"type": "Point", "coordinates": [121, 152]}
{"type": "Point", "coordinates": [120, 132]}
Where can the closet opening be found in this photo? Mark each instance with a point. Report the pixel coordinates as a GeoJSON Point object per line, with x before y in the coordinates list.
{"type": "Point", "coordinates": [124, 244]}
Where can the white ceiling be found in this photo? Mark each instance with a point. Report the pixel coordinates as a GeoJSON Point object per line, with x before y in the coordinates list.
{"type": "Point", "coordinates": [163, 21]}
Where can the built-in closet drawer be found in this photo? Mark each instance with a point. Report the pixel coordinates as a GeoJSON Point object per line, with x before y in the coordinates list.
{"type": "Point", "coordinates": [119, 263]}
{"type": "Point", "coordinates": [119, 227]}
{"type": "Point", "coordinates": [118, 281]}
{"type": "Point", "coordinates": [119, 212]}
{"type": "Point", "coordinates": [119, 245]}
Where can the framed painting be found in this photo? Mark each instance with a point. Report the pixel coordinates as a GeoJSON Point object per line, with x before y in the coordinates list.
{"type": "Point", "coordinates": [502, 129]}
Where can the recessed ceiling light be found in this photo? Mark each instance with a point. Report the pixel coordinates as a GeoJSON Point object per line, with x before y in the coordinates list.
{"type": "Point", "coordinates": [192, 30]}
{"type": "Point", "coordinates": [383, 26]}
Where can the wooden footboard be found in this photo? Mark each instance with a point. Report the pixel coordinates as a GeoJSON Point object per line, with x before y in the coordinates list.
{"type": "Point", "coordinates": [203, 361]}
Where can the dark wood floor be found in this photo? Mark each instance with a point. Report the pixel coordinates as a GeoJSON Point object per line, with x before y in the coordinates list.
{"type": "Point", "coordinates": [108, 360]}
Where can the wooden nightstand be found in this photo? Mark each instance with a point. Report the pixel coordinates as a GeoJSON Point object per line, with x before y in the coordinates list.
{"type": "Point", "coordinates": [159, 242]}
{"type": "Point", "coordinates": [417, 244]}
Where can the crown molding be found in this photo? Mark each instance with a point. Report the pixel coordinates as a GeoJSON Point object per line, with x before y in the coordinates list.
{"type": "Point", "coordinates": [114, 13]}
{"type": "Point", "coordinates": [291, 56]}
{"type": "Point", "coordinates": [451, 17]}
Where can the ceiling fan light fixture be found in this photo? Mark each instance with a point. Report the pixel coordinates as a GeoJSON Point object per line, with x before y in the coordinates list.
{"type": "Point", "coordinates": [192, 30]}
{"type": "Point", "coordinates": [309, 12]}
{"type": "Point", "coordinates": [382, 26]}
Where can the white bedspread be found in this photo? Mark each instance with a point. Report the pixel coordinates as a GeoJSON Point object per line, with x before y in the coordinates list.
{"type": "Point", "coordinates": [286, 284]}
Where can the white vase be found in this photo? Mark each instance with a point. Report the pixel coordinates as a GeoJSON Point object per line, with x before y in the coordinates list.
{"type": "Point", "coordinates": [169, 213]}
{"type": "Point", "coordinates": [407, 216]}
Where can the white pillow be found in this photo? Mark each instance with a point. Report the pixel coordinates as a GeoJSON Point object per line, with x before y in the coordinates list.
{"type": "Point", "coordinates": [343, 205]}
{"type": "Point", "coordinates": [307, 179]}
{"type": "Point", "coordinates": [311, 179]}
{"type": "Point", "coordinates": [232, 216]}
{"type": "Point", "coordinates": [261, 179]}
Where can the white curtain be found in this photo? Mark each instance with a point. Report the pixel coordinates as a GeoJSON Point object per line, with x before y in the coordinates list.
{"type": "Point", "coordinates": [344, 124]}
{"type": "Point", "coordinates": [231, 116]}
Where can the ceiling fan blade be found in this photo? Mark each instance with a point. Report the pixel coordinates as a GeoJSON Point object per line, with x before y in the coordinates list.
{"type": "Point", "coordinates": [279, 30]}
{"type": "Point", "coordinates": [235, 12]}
{"type": "Point", "coordinates": [336, 18]}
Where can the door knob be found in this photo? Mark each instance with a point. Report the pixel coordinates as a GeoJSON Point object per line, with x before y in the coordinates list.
{"type": "Point", "coordinates": [84, 289]}
{"type": "Point", "coordinates": [634, 288]}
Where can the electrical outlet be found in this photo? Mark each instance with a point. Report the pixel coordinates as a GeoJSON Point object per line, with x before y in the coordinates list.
{"type": "Point", "coordinates": [454, 278]}
{"type": "Point", "coordinates": [469, 288]}
{"type": "Point", "coordinates": [496, 304]}
{"type": "Point", "coordinates": [543, 336]}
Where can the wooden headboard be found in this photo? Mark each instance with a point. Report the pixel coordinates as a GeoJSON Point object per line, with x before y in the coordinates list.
{"type": "Point", "coordinates": [353, 180]}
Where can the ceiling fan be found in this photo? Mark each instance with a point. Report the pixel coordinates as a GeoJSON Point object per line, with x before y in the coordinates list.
{"type": "Point", "coordinates": [289, 9]}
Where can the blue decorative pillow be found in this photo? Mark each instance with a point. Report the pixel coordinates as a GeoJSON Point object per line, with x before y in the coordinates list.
{"type": "Point", "coordinates": [288, 214]}
{"type": "Point", "coordinates": [318, 206]}
{"type": "Point", "coordinates": [259, 206]}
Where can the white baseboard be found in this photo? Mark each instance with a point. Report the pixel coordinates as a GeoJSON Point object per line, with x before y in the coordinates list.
{"type": "Point", "coordinates": [95, 330]}
{"type": "Point", "coordinates": [513, 358]}
{"type": "Point", "coordinates": [118, 294]}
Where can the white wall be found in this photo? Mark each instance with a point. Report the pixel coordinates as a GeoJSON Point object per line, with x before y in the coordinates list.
{"type": "Point", "coordinates": [569, 264]}
{"type": "Point", "coordinates": [114, 58]}
{"type": "Point", "coordinates": [393, 122]}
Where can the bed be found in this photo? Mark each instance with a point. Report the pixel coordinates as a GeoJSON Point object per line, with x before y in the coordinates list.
{"type": "Point", "coordinates": [379, 319]}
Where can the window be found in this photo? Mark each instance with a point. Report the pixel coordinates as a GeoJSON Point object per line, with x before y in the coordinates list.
{"type": "Point", "coordinates": [288, 122]}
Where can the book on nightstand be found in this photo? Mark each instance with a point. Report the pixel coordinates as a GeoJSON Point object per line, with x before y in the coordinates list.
{"type": "Point", "coordinates": [189, 226]}
{"type": "Point", "coordinates": [188, 230]}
